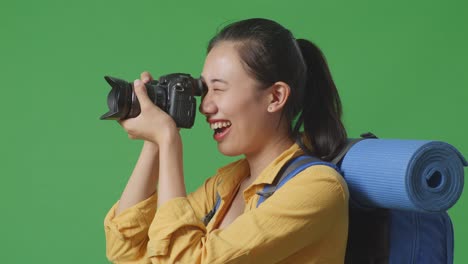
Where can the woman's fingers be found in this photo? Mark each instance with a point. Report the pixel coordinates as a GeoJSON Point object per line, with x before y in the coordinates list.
{"type": "Point", "coordinates": [151, 117]}
{"type": "Point", "coordinates": [146, 77]}
{"type": "Point", "coordinates": [140, 91]}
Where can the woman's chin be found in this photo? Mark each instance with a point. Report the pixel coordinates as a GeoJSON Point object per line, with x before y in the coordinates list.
{"type": "Point", "coordinates": [227, 150]}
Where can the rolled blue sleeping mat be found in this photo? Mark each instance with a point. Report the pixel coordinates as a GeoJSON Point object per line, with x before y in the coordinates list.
{"type": "Point", "coordinates": [416, 175]}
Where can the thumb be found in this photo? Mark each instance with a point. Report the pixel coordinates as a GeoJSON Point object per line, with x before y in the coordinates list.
{"type": "Point", "coordinates": [140, 91]}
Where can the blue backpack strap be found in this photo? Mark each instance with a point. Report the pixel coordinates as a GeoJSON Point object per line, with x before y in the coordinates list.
{"type": "Point", "coordinates": [289, 170]}
{"type": "Point", "coordinates": [211, 213]}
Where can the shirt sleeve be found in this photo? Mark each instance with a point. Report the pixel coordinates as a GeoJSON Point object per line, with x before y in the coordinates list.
{"type": "Point", "coordinates": [299, 214]}
{"type": "Point", "coordinates": [127, 233]}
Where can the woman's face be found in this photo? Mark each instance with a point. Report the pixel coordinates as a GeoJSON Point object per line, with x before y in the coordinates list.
{"type": "Point", "coordinates": [235, 106]}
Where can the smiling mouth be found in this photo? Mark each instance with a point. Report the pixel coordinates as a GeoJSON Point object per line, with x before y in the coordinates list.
{"type": "Point", "coordinates": [220, 128]}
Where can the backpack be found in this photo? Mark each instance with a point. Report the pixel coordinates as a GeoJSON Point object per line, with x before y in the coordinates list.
{"type": "Point", "coordinates": [378, 235]}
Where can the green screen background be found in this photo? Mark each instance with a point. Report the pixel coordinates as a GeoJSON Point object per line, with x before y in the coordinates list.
{"type": "Point", "coordinates": [400, 66]}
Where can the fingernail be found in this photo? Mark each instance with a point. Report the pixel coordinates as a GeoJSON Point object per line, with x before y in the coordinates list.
{"type": "Point", "coordinates": [137, 82]}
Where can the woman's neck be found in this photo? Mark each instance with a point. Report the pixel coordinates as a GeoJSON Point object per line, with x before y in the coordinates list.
{"type": "Point", "coordinates": [259, 160]}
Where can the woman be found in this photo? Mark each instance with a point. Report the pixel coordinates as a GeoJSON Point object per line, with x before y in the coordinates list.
{"type": "Point", "coordinates": [259, 79]}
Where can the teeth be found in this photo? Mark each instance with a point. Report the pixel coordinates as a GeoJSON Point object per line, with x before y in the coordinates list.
{"type": "Point", "coordinates": [220, 125]}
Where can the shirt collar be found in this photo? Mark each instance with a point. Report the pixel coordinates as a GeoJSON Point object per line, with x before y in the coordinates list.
{"type": "Point", "coordinates": [268, 175]}
{"type": "Point", "coordinates": [232, 174]}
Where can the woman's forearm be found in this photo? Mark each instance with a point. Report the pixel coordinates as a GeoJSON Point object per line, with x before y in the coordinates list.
{"type": "Point", "coordinates": [171, 176]}
{"type": "Point", "coordinates": [144, 178]}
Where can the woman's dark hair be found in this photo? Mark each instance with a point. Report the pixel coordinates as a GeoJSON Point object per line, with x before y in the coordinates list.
{"type": "Point", "coordinates": [270, 53]}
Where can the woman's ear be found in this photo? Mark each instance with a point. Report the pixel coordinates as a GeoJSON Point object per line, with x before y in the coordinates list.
{"type": "Point", "coordinates": [279, 94]}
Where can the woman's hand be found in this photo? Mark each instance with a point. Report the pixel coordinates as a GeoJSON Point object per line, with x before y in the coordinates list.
{"type": "Point", "coordinates": [152, 124]}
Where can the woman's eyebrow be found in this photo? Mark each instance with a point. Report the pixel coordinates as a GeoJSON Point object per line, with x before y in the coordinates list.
{"type": "Point", "coordinates": [215, 80]}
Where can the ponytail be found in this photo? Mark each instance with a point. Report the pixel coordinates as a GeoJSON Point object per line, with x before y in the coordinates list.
{"type": "Point", "coordinates": [321, 114]}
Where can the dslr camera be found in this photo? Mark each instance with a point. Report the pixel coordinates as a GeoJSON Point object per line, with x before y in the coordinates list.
{"type": "Point", "coordinates": [173, 93]}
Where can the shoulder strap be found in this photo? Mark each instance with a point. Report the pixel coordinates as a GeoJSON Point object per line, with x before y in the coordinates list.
{"type": "Point", "coordinates": [298, 164]}
{"type": "Point", "coordinates": [211, 213]}
{"type": "Point", "coordinates": [289, 170]}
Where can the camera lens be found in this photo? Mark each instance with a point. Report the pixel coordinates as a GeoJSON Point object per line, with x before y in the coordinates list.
{"type": "Point", "coordinates": [119, 100]}
{"type": "Point", "coordinates": [172, 93]}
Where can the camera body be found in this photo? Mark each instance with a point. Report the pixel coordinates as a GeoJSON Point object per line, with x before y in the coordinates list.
{"type": "Point", "coordinates": [173, 93]}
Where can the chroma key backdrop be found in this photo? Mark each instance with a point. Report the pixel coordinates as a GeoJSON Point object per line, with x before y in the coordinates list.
{"type": "Point", "coordinates": [400, 67]}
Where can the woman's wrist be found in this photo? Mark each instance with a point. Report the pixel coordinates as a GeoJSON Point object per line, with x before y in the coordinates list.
{"type": "Point", "coordinates": [170, 142]}
{"type": "Point", "coordinates": [171, 176]}
{"type": "Point", "coordinates": [166, 136]}
{"type": "Point", "coordinates": [151, 147]}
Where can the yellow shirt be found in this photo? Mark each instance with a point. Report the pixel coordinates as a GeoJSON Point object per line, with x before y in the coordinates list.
{"type": "Point", "coordinates": [304, 221]}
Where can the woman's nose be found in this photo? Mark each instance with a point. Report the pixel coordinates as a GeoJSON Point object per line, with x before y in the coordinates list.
{"type": "Point", "coordinates": [207, 105]}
